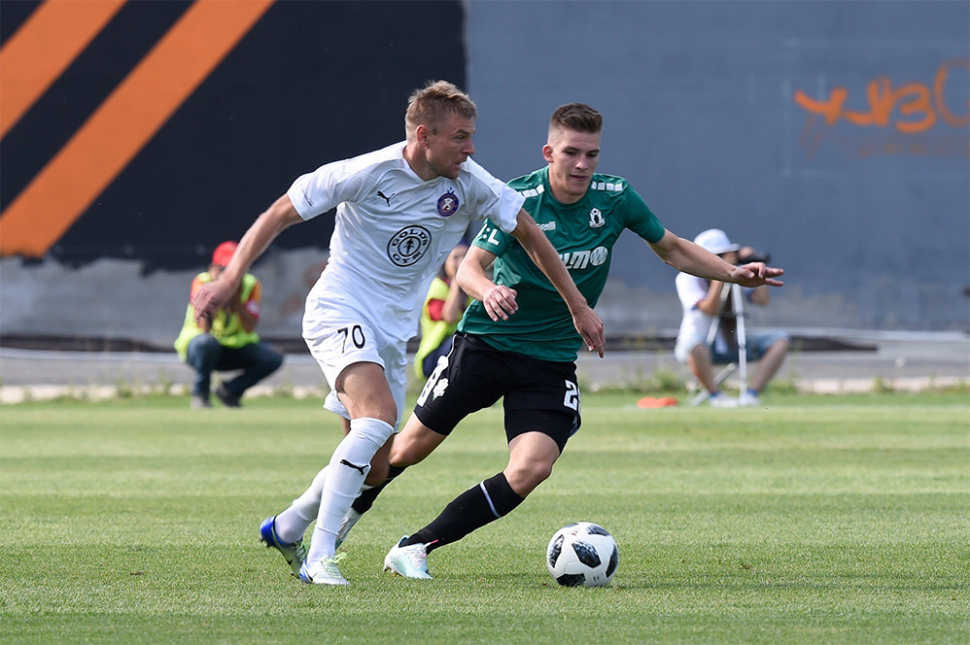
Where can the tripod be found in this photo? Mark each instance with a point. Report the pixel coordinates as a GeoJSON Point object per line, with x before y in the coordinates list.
{"type": "Point", "coordinates": [737, 305]}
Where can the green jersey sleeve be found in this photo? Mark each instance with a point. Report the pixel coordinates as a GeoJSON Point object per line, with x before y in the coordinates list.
{"type": "Point", "coordinates": [492, 238]}
{"type": "Point", "coordinates": [642, 221]}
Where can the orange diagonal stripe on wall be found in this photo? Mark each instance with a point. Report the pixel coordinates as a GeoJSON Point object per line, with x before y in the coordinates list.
{"type": "Point", "coordinates": [51, 38]}
{"type": "Point", "coordinates": [124, 123]}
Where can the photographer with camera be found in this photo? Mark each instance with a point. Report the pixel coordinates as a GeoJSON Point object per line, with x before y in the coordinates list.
{"type": "Point", "coordinates": [709, 332]}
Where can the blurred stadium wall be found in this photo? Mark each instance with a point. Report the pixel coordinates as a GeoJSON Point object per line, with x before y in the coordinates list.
{"type": "Point", "coordinates": [136, 136]}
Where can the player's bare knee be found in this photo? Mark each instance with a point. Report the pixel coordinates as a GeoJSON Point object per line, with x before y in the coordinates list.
{"type": "Point", "coordinates": [525, 478]}
{"type": "Point", "coordinates": [541, 473]}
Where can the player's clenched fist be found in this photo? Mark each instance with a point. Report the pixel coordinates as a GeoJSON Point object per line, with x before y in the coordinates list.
{"type": "Point", "coordinates": [500, 302]}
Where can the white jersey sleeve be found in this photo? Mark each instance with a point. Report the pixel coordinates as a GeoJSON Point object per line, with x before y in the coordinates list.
{"type": "Point", "coordinates": [497, 201]}
{"type": "Point", "coordinates": [340, 181]}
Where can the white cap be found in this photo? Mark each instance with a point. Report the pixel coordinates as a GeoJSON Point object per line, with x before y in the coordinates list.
{"type": "Point", "coordinates": [716, 241]}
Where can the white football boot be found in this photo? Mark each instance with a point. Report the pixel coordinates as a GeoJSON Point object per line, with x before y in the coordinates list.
{"type": "Point", "coordinates": [408, 561]}
{"type": "Point", "coordinates": [324, 571]}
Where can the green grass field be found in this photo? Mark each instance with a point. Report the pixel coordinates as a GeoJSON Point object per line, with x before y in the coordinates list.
{"type": "Point", "coordinates": [817, 520]}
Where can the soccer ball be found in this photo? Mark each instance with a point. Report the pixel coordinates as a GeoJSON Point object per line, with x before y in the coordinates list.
{"type": "Point", "coordinates": [582, 554]}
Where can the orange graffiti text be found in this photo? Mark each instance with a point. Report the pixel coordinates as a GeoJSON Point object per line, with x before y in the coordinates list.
{"type": "Point", "coordinates": [919, 106]}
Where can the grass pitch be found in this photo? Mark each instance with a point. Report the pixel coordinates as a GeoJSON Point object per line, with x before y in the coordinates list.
{"type": "Point", "coordinates": [815, 520]}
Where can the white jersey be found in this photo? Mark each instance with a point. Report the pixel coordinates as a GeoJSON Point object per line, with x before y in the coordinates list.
{"type": "Point", "coordinates": [393, 230]}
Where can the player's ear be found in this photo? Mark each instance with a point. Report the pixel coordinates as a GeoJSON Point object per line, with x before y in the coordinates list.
{"type": "Point", "coordinates": [547, 153]}
{"type": "Point", "coordinates": [421, 133]}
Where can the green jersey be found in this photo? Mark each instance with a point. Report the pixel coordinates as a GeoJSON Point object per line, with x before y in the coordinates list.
{"type": "Point", "coordinates": [583, 234]}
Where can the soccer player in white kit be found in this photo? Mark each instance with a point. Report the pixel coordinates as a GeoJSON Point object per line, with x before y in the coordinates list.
{"type": "Point", "coordinates": [400, 211]}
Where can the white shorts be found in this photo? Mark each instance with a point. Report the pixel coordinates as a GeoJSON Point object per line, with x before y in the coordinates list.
{"type": "Point", "coordinates": [339, 336]}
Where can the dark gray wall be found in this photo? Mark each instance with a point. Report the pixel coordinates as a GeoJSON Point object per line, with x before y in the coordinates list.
{"type": "Point", "coordinates": [872, 224]}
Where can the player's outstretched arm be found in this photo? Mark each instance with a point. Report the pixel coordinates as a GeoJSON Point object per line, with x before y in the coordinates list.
{"type": "Point", "coordinates": [273, 221]}
{"type": "Point", "coordinates": [586, 321]}
{"type": "Point", "coordinates": [688, 257]}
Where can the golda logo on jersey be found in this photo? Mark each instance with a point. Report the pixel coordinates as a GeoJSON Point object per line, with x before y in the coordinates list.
{"type": "Point", "coordinates": [582, 259]}
{"type": "Point", "coordinates": [408, 245]}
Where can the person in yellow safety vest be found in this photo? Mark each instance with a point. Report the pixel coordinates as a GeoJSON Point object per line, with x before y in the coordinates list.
{"type": "Point", "coordinates": [227, 340]}
{"type": "Point", "coordinates": [443, 307]}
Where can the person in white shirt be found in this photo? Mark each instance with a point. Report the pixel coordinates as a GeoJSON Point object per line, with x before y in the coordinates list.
{"type": "Point", "coordinates": [399, 212]}
{"type": "Point", "coordinates": [704, 303]}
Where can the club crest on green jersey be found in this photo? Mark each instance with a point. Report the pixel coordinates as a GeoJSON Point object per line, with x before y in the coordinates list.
{"type": "Point", "coordinates": [596, 218]}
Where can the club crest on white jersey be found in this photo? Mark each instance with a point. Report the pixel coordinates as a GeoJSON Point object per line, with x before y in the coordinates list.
{"type": "Point", "coordinates": [448, 204]}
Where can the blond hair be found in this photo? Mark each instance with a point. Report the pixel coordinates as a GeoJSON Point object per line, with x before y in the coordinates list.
{"type": "Point", "coordinates": [431, 104]}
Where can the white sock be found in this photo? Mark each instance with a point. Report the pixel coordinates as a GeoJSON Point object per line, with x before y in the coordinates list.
{"type": "Point", "coordinates": [348, 468]}
{"type": "Point", "coordinates": [292, 523]}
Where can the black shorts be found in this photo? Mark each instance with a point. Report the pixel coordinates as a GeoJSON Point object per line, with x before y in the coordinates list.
{"type": "Point", "coordinates": [539, 395]}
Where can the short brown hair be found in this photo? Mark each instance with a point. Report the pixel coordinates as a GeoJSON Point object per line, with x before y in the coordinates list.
{"type": "Point", "coordinates": [430, 104]}
{"type": "Point", "coordinates": [578, 117]}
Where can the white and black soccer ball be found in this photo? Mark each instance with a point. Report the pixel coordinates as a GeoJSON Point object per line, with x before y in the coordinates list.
{"type": "Point", "coordinates": [582, 554]}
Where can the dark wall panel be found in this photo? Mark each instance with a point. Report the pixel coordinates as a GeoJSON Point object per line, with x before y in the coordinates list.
{"type": "Point", "coordinates": [312, 82]}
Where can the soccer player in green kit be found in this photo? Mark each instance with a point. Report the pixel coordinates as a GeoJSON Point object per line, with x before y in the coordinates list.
{"type": "Point", "coordinates": [517, 340]}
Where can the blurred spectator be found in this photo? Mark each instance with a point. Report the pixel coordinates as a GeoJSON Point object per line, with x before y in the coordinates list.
{"type": "Point", "coordinates": [443, 307]}
{"type": "Point", "coordinates": [226, 340]}
{"type": "Point", "coordinates": [705, 303]}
